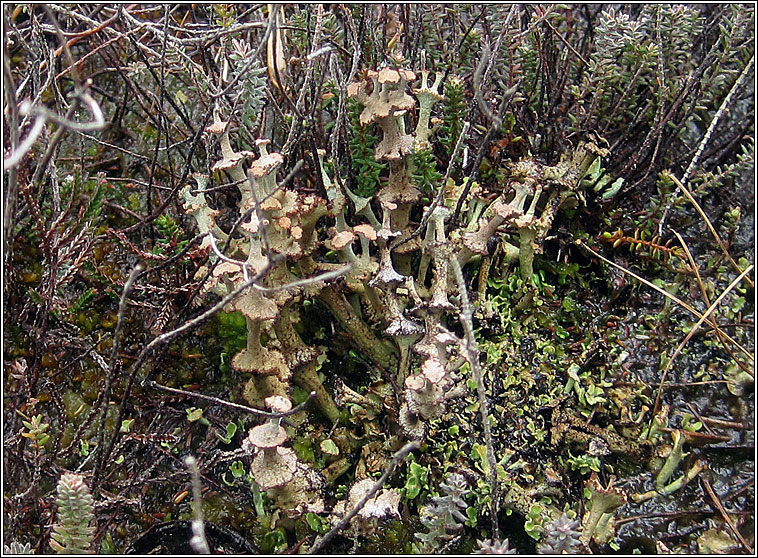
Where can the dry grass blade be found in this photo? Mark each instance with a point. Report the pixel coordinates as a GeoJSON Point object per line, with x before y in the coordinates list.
{"type": "Point", "coordinates": [692, 332]}
{"type": "Point", "coordinates": [694, 267]}
{"type": "Point", "coordinates": [668, 295]}
{"type": "Point", "coordinates": [699, 209]}
{"type": "Point", "coordinates": [724, 514]}
{"type": "Point", "coordinates": [706, 298]}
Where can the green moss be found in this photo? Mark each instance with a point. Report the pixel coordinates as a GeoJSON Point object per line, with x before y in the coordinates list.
{"type": "Point", "coordinates": [231, 328]}
{"type": "Point", "coordinates": [304, 449]}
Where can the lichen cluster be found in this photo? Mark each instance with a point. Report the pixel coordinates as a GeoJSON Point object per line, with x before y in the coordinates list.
{"type": "Point", "coordinates": [397, 284]}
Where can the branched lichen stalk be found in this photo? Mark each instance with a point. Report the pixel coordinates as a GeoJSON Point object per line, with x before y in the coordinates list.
{"type": "Point", "coordinates": [527, 236]}
{"type": "Point", "coordinates": [305, 375]}
{"type": "Point", "coordinates": [359, 331]}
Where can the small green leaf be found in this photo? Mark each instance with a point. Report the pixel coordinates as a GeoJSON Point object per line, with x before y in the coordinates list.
{"type": "Point", "coordinates": [568, 304]}
{"type": "Point", "coordinates": [329, 447]}
{"type": "Point", "coordinates": [416, 481]}
{"type": "Point", "coordinates": [479, 454]}
{"type": "Point", "coordinates": [194, 414]}
{"type": "Point", "coordinates": [231, 430]}
{"type": "Point", "coordinates": [316, 523]}
{"type": "Point", "coordinates": [613, 190]}
{"type": "Point", "coordinates": [299, 395]}
{"type": "Point", "coordinates": [126, 425]}
{"type": "Point", "coordinates": [594, 171]}
{"type": "Point", "coordinates": [238, 469]}
{"type": "Point", "coordinates": [224, 363]}
{"type": "Point", "coordinates": [273, 540]}
{"type": "Point", "coordinates": [472, 514]}
{"type": "Point", "coordinates": [313, 521]}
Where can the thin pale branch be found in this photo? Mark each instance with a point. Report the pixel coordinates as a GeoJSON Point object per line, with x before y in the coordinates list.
{"type": "Point", "coordinates": [472, 355]}
{"type": "Point", "coordinates": [229, 404]}
{"type": "Point", "coordinates": [396, 460]}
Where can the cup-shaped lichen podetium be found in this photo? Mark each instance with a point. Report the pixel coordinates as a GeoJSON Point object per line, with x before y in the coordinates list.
{"type": "Point", "coordinates": [598, 522]}
{"type": "Point", "coordinates": [269, 369]}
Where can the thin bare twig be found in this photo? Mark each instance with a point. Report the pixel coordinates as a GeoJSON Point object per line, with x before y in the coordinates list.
{"type": "Point", "coordinates": [472, 350]}
{"type": "Point", "coordinates": [10, 193]}
{"type": "Point", "coordinates": [720, 507]}
{"type": "Point", "coordinates": [229, 404]}
{"type": "Point", "coordinates": [242, 264]}
{"type": "Point", "coordinates": [495, 120]}
{"type": "Point", "coordinates": [565, 42]}
{"type": "Point", "coordinates": [694, 267]}
{"type": "Point", "coordinates": [198, 542]}
{"type": "Point", "coordinates": [110, 376]}
{"type": "Point", "coordinates": [396, 460]}
{"type": "Point", "coordinates": [43, 115]}
{"type": "Point", "coordinates": [440, 193]}
{"type": "Point", "coordinates": [716, 118]}
{"type": "Point", "coordinates": [187, 167]}
{"type": "Point", "coordinates": [65, 123]}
